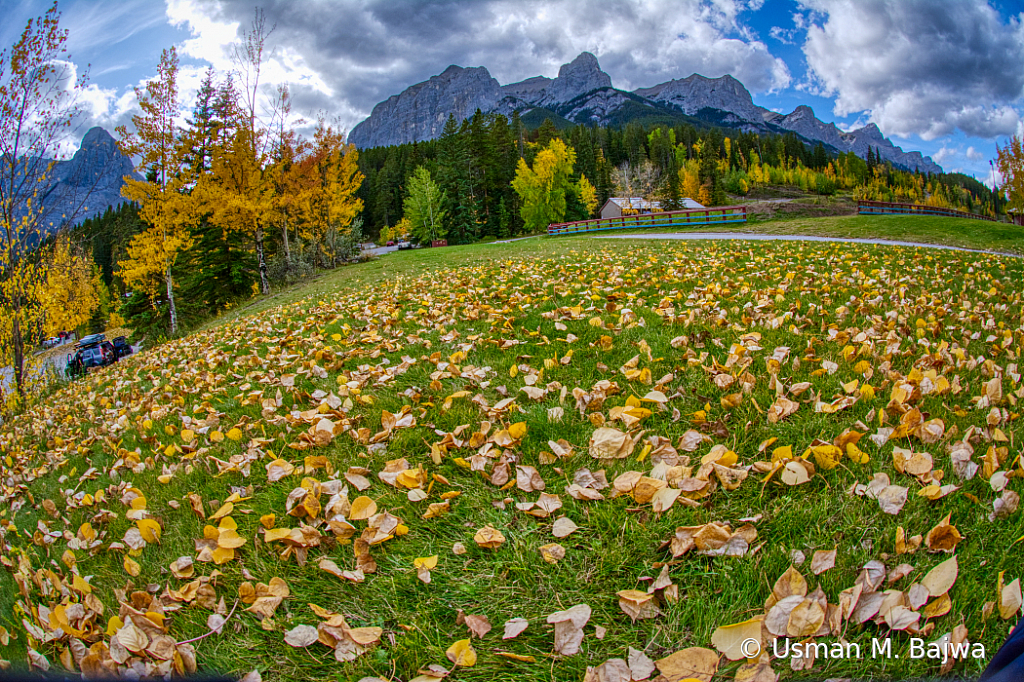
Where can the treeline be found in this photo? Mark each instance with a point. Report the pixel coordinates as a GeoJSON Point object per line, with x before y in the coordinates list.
{"type": "Point", "coordinates": [475, 161]}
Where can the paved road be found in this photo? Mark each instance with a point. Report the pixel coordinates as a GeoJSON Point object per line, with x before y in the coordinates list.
{"type": "Point", "coordinates": [380, 250]}
{"type": "Point", "coordinates": [794, 238]}
{"type": "Point", "coordinates": [517, 239]}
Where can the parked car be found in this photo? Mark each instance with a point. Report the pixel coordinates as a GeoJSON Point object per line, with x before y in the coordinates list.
{"type": "Point", "coordinates": [390, 243]}
{"type": "Point", "coordinates": [403, 245]}
{"type": "Point", "coordinates": [51, 342]}
{"type": "Point", "coordinates": [91, 339]}
{"type": "Point", "coordinates": [122, 348]}
{"type": "Point", "coordinates": [91, 351]}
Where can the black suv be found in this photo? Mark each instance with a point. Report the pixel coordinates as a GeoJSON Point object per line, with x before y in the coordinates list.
{"type": "Point", "coordinates": [122, 348]}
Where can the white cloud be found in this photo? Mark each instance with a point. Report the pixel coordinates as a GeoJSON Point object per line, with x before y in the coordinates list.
{"type": "Point", "coordinates": [924, 67]}
{"type": "Point", "coordinates": [973, 154]}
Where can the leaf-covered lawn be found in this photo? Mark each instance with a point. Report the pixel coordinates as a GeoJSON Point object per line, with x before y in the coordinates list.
{"type": "Point", "coordinates": [566, 460]}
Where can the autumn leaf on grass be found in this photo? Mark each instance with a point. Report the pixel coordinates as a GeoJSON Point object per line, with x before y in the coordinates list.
{"type": "Point", "coordinates": [423, 566]}
{"type": "Point", "coordinates": [149, 529]}
{"type": "Point", "coordinates": [609, 443]}
{"type": "Point", "coordinates": [729, 639]}
{"type": "Point", "coordinates": [489, 537]}
{"type": "Point", "coordinates": [183, 568]}
{"type": "Point", "coordinates": [1010, 599]}
{"type": "Point", "coordinates": [780, 409]}
{"type": "Point", "coordinates": [638, 605]}
{"type": "Point", "coordinates": [569, 628]}
{"type": "Point", "coordinates": [478, 625]}
{"type": "Point", "coordinates": [941, 578]}
{"type": "Point", "coordinates": [269, 597]}
{"type": "Point", "coordinates": [822, 561]}
{"type": "Point", "coordinates": [301, 636]}
{"type": "Point", "coordinates": [563, 527]}
{"type": "Point", "coordinates": [944, 537]}
{"type": "Point", "coordinates": [892, 498]}
{"type": "Point", "coordinates": [362, 509]}
{"type": "Point", "coordinates": [514, 627]}
{"type": "Point", "coordinates": [462, 654]}
{"type": "Point", "coordinates": [694, 663]}
{"type": "Point", "coordinates": [552, 552]}
{"type": "Point", "coordinates": [795, 471]}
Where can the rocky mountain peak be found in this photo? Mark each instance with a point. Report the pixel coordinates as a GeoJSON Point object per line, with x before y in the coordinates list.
{"type": "Point", "coordinates": [582, 75]}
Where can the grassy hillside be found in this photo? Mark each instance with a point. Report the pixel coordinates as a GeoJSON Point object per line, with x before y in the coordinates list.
{"type": "Point", "coordinates": [497, 386]}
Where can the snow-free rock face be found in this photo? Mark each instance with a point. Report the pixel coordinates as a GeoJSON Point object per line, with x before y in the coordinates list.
{"type": "Point", "coordinates": [695, 92]}
{"type": "Point", "coordinates": [420, 111]}
{"type": "Point", "coordinates": [578, 77]}
{"type": "Point", "coordinates": [583, 93]}
{"type": "Point", "coordinates": [803, 122]}
{"type": "Point", "coordinates": [86, 184]}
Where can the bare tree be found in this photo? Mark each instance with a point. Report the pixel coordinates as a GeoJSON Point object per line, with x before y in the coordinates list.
{"type": "Point", "coordinates": [38, 103]}
{"type": "Point", "coordinates": [633, 181]}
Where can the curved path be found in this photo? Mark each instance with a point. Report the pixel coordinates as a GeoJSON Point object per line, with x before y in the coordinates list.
{"type": "Point", "coordinates": [795, 238]}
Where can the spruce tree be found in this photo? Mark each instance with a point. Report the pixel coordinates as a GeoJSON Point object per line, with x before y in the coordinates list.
{"type": "Point", "coordinates": [453, 177]}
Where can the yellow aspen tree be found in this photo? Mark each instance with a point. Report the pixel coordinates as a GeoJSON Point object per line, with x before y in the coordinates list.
{"type": "Point", "coordinates": [166, 198]}
{"type": "Point", "coordinates": [542, 188]}
{"type": "Point", "coordinates": [587, 194]}
{"type": "Point", "coordinates": [242, 192]}
{"type": "Point", "coordinates": [38, 101]}
{"type": "Point", "coordinates": [293, 183]}
{"type": "Point", "coordinates": [330, 203]}
{"type": "Point", "coordinates": [244, 178]}
{"type": "Point", "coordinates": [70, 292]}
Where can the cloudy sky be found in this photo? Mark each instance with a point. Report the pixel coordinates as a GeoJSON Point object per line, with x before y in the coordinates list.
{"type": "Point", "coordinates": [942, 76]}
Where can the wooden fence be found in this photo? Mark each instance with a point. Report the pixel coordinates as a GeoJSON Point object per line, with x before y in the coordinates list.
{"type": "Point", "coordinates": [719, 215]}
{"type": "Point", "coordinates": [887, 208]}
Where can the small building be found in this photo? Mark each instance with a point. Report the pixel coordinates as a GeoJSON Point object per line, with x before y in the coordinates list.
{"type": "Point", "coordinates": [617, 207]}
{"type": "Point", "coordinates": [1016, 217]}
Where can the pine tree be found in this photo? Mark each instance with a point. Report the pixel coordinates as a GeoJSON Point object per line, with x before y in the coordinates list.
{"type": "Point", "coordinates": [453, 177]}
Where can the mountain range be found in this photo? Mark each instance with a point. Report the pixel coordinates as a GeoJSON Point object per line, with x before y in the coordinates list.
{"type": "Point", "coordinates": [84, 185]}
{"type": "Point", "coordinates": [583, 94]}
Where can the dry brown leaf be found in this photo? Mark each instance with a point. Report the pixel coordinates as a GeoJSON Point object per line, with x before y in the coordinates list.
{"type": "Point", "coordinates": [609, 443]}
{"type": "Point", "coordinates": [941, 578]}
{"type": "Point", "coordinates": [514, 627]}
{"type": "Point", "coordinates": [1010, 600]}
{"type": "Point", "coordinates": [944, 537]}
{"type": "Point", "coordinates": [552, 552]}
{"type": "Point", "coordinates": [563, 527]}
{"type": "Point", "coordinates": [301, 636]}
{"type": "Point", "coordinates": [478, 625]}
{"type": "Point", "coordinates": [892, 498]}
{"type": "Point", "coordinates": [823, 560]}
{"type": "Point", "coordinates": [569, 628]}
{"type": "Point", "coordinates": [696, 663]}
{"type": "Point", "coordinates": [638, 605]}
{"type": "Point", "coordinates": [489, 537]}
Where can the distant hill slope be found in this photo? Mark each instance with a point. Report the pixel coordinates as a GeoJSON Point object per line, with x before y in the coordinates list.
{"type": "Point", "coordinates": [583, 94]}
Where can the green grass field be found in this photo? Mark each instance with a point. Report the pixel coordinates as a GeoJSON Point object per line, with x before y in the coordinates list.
{"type": "Point", "coordinates": [412, 370]}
